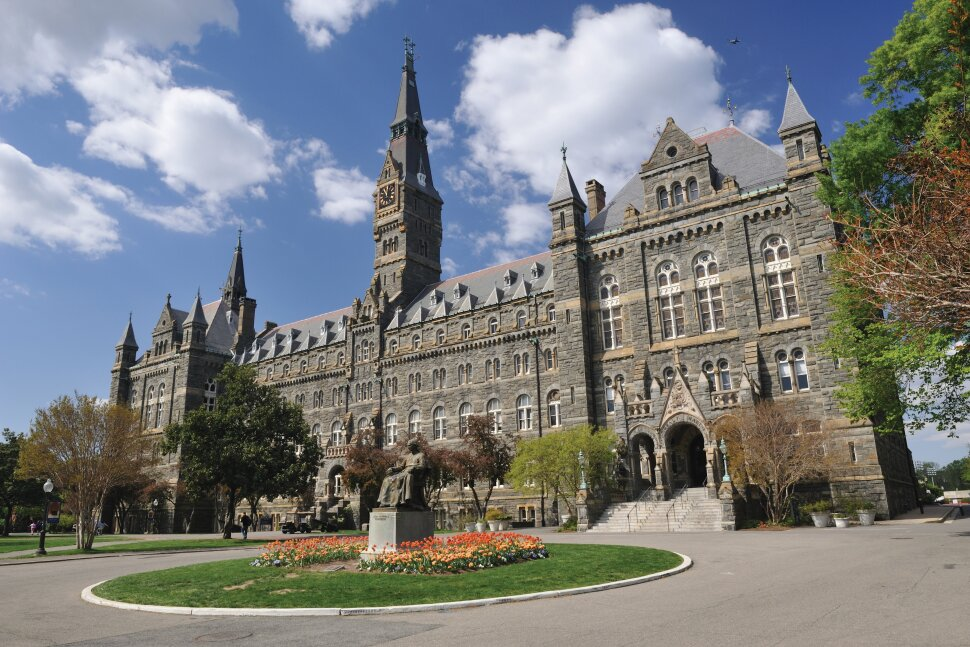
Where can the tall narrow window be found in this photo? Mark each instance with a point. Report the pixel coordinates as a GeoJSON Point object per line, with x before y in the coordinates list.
{"type": "Point", "coordinates": [668, 376]}
{"type": "Point", "coordinates": [414, 423]}
{"type": "Point", "coordinates": [551, 312]}
{"type": "Point", "coordinates": [440, 336]}
{"type": "Point", "coordinates": [800, 149]}
{"type": "Point", "coordinates": [671, 301]}
{"type": "Point", "coordinates": [663, 200]}
{"type": "Point", "coordinates": [710, 375]}
{"type": "Point", "coordinates": [724, 373]}
{"type": "Point", "coordinates": [523, 408]}
{"type": "Point", "coordinates": [158, 407]}
{"type": "Point", "coordinates": [853, 455]}
{"type": "Point", "coordinates": [210, 395]}
{"type": "Point", "coordinates": [611, 313]}
{"type": "Point", "coordinates": [498, 368]}
{"type": "Point", "coordinates": [517, 363]}
{"type": "Point", "coordinates": [466, 331]}
{"type": "Point", "coordinates": [678, 192]}
{"type": "Point", "coordinates": [554, 416]}
{"type": "Point", "coordinates": [317, 435]}
{"type": "Point", "coordinates": [336, 433]}
{"type": "Point", "coordinates": [710, 305]}
{"type": "Point", "coordinates": [610, 394]}
{"type": "Point", "coordinates": [416, 342]}
{"type": "Point", "coordinates": [692, 190]}
{"type": "Point", "coordinates": [464, 411]}
{"type": "Point", "coordinates": [520, 319]}
{"type": "Point", "coordinates": [494, 409]}
{"type": "Point", "coordinates": [801, 369]}
{"type": "Point", "coordinates": [489, 373]}
{"type": "Point", "coordinates": [461, 374]}
{"type": "Point", "coordinates": [562, 219]}
{"type": "Point", "coordinates": [492, 326]}
{"type": "Point", "coordinates": [780, 278]}
{"type": "Point", "coordinates": [390, 429]}
{"type": "Point", "coordinates": [784, 372]}
{"type": "Point", "coordinates": [440, 423]}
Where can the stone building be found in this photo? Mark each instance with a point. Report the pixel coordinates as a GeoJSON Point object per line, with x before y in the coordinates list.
{"type": "Point", "coordinates": [700, 285]}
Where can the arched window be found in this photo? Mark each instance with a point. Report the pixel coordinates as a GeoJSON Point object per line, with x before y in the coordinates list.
{"type": "Point", "coordinates": [520, 319]}
{"type": "Point", "coordinates": [442, 377]}
{"type": "Point", "coordinates": [801, 369]}
{"type": "Point", "coordinates": [671, 301]}
{"type": "Point", "coordinates": [663, 200]}
{"type": "Point", "coordinates": [466, 331]}
{"type": "Point", "coordinates": [553, 401]}
{"type": "Point", "coordinates": [158, 406]}
{"type": "Point", "coordinates": [336, 433]}
{"type": "Point", "coordinates": [363, 424]}
{"type": "Point", "coordinates": [286, 370]}
{"type": "Point", "coordinates": [494, 409]}
{"type": "Point", "coordinates": [724, 373]}
{"type": "Point", "coordinates": [414, 423]}
{"type": "Point", "coordinates": [711, 375]}
{"type": "Point", "coordinates": [464, 411]}
{"type": "Point", "coordinates": [440, 336]}
{"type": "Point", "coordinates": [461, 374]}
{"type": "Point", "coordinates": [269, 373]}
{"type": "Point", "coordinates": [440, 423]}
{"type": "Point", "coordinates": [498, 368]}
{"type": "Point", "coordinates": [340, 359]}
{"type": "Point", "coordinates": [523, 409]}
{"type": "Point", "coordinates": [468, 373]}
{"type": "Point", "coordinates": [517, 363]}
{"type": "Point", "coordinates": [780, 278]}
{"type": "Point", "coordinates": [489, 373]}
{"type": "Point", "coordinates": [390, 429]}
{"type": "Point", "coordinates": [550, 356]}
{"type": "Point", "coordinates": [321, 361]}
{"type": "Point", "coordinates": [416, 342]}
{"type": "Point", "coordinates": [551, 312]}
{"type": "Point", "coordinates": [317, 434]}
{"type": "Point", "coordinates": [525, 363]}
{"type": "Point", "coordinates": [209, 395]}
{"type": "Point", "coordinates": [610, 394]}
{"type": "Point", "coordinates": [411, 383]}
{"type": "Point", "coordinates": [692, 190]}
{"type": "Point", "coordinates": [492, 326]}
{"type": "Point", "coordinates": [611, 312]}
{"type": "Point", "coordinates": [678, 192]}
{"type": "Point", "coordinates": [784, 372]}
{"type": "Point", "coordinates": [668, 375]}
{"type": "Point", "coordinates": [303, 365]}
{"type": "Point", "coordinates": [710, 304]}
{"type": "Point", "coordinates": [393, 346]}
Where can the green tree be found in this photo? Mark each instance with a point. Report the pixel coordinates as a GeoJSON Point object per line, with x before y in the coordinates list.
{"type": "Point", "coordinates": [551, 463]}
{"type": "Point", "coordinates": [87, 448]}
{"type": "Point", "coordinates": [484, 459]}
{"type": "Point", "coordinates": [14, 491]}
{"type": "Point", "coordinates": [886, 170]}
{"type": "Point", "coordinates": [254, 442]}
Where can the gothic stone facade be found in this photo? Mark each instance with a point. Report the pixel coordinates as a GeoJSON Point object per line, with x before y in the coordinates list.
{"type": "Point", "coordinates": [701, 286]}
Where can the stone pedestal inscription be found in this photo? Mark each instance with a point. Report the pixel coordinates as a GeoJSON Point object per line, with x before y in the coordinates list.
{"type": "Point", "coordinates": [391, 526]}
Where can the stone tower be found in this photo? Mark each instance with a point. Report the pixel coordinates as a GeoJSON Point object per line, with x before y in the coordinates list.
{"type": "Point", "coordinates": [126, 351]}
{"type": "Point", "coordinates": [241, 307]}
{"type": "Point", "coordinates": [407, 207]}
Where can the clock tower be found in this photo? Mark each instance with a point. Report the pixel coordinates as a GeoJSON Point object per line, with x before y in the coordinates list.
{"type": "Point", "coordinates": [407, 207]}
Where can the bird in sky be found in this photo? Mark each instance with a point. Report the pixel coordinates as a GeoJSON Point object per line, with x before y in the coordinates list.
{"type": "Point", "coordinates": [734, 41]}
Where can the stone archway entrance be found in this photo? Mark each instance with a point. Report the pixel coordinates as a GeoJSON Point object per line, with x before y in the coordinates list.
{"type": "Point", "coordinates": [644, 460]}
{"type": "Point", "coordinates": [687, 457]}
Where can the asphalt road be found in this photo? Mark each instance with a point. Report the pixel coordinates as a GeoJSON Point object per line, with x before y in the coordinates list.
{"type": "Point", "coordinates": [894, 585]}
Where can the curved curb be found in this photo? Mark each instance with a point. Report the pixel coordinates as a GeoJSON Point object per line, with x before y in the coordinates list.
{"type": "Point", "coordinates": [88, 596]}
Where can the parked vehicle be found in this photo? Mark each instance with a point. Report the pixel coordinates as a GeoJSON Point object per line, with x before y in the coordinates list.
{"type": "Point", "coordinates": [293, 527]}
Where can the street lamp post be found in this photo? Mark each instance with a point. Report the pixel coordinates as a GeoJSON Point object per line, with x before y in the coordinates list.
{"type": "Point", "coordinates": [48, 488]}
{"type": "Point", "coordinates": [727, 476]}
{"type": "Point", "coordinates": [582, 471]}
{"type": "Point", "coordinates": [155, 516]}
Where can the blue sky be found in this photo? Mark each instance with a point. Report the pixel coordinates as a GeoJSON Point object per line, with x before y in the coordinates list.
{"type": "Point", "coordinates": [135, 137]}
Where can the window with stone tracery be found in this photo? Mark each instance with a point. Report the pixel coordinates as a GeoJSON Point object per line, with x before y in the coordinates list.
{"type": "Point", "coordinates": [710, 304]}
{"type": "Point", "coordinates": [671, 301]}
{"type": "Point", "coordinates": [780, 278]}
{"type": "Point", "coordinates": [611, 312]}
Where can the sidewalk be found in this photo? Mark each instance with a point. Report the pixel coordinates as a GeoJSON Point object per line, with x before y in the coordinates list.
{"type": "Point", "coordinates": [931, 514]}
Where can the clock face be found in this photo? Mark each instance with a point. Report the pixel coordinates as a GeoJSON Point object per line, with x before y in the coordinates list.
{"type": "Point", "coordinates": [386, 195]}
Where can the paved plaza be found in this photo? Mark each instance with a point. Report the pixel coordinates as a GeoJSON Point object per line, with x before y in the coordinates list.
{"type": "Point", "coordinates": [899, 584]}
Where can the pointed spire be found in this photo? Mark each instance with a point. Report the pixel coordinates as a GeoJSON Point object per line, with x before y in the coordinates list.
{"type": "Point", "coordinates": [196, 316]}
{"type": "Point", "coordinates": [565, 187]}
{"type": "Point", "coordinates": [235, 287]}
{"type": "Point", "coordinates": [128, 337]}
{"type": "Point", "coordinates": [795, 112]}
{"type": "Point", "coordinates": [409, 137]}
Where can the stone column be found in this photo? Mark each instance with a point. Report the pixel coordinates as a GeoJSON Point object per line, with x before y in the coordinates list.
{"type": "Point", "coordinates": [661, 477]}
{"type": "Point", "coordinates": [711, 471]}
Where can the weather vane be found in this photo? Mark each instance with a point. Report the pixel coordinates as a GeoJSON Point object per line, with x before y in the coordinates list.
{"type": "Point", "coordinates": [563, 149]}
{"type": "Point", "coordinates": [409, 47]}
{"type": "Point", "coordinates": [788, 73]}
{"type": "Point", "coordinates": [730, 110]}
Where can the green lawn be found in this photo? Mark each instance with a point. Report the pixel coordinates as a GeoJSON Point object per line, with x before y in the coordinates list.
{"type": "Point", "coordinates": [160, 544]}
{"type": "Point", "coordinates": [204, 585]}
{"type": "Point", "coordinates": [11, 544]}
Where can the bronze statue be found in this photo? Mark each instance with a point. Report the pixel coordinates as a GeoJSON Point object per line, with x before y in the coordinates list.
{"type": "Point", "coordinates": [403, 487]}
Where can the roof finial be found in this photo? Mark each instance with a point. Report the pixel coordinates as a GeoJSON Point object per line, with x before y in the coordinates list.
{"type": "Point", "coordinates": [563, 149]}
{"type": "Point", "coordinates": [788, 73]}
{"type": "Point", "coordinates": [239, 238]}
{"type": "Point", "coordinates": [730, 110]}
{"type": "Point", "coordinates": [408, 50]}
{"type": "Point", "coordinates": [129, 316]}
{"type": "Point", "coordinates": [168, 299]}
{"type": "Point", "coordinates": [198, 292]}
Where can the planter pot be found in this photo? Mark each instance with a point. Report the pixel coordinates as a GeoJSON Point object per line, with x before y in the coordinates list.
{"type": "Point", "coordinates": [480, 526]}
{"type": "Point", "coordinates": [866, 517]}
{"type": "Point", "coordinates": [841, 522]}
{"type": "Point", "coordinates": [470, 527]}
{"type": "Point", "coordinates": [494, 525]}
{"type": "Point", "coordinates": [504, 524]}
{"type": "Point", "coordinates": [821, 519]}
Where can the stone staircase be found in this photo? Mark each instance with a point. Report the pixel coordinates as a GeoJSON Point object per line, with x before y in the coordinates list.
{"type": "Point", "coordinates": [690, 511]}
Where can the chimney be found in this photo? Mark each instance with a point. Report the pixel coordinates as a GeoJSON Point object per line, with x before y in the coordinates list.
{"type": "Point", "coordinates": [595, 197]}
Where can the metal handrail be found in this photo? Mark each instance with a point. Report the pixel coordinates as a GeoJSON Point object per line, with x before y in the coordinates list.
{"type": "Point", "coordinates": [673, 505]}
{"type": "Point", "coordinates": [636, 505]}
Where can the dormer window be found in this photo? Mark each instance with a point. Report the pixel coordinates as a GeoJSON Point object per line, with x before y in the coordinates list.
{"type": "Point", "coordinates": [536, 270]}
{"type": "Point", "coordinates": [434, 298]}
{"type": "Point", "coordinates": [457, 291]}
{"type": "Point", "coordinates": [509, 278]}
{"type": "Point", "coordinates": [663, 199]}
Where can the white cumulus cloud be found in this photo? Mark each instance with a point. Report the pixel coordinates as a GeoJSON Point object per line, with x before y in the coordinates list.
{"type": "Point", "coordinates": [602, 90]}
{"type": "Point", "coordinates": [55, 207]}
{"type": "Point", "coordinates": [41, 43]}
{"type": "Point", "coordinates": [344, 194]}
{"type": "Point", "coordinates": [321, 20]}
{"type": "Point", "coordinates": [755, 122]}
{"type": "Point", "coordinates": [440, 133]}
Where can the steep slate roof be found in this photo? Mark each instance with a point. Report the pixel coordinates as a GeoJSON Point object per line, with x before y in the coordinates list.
{"type": "Point", "coordinates": [313, 332]}
{"type": "Point", "coordinates": [478, 289]}
{"type": "Point", "coordinates": [128, 337]}
{"type": "Point", "coordinates": [795, 112]}
{"type": "Point", "coordinates": [565, 187]}
{"type": "Point", "coordinates": [733, 152]}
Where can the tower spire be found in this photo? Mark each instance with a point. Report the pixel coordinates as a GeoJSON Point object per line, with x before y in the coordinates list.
{"type": "Point", "coordinates": [409, 137]}
{"type": "Point", "coordinates": [235, 286]}
{"type": "Point", "coordinates": [795, 112]}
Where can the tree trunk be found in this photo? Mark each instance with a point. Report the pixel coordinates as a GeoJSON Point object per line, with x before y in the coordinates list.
{"type": "Point", "coordinates": [230, 515]}
{"type": "Point", "coordinates": [7, 520]}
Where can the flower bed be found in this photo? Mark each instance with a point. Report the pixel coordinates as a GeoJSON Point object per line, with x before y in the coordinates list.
{"type": "Point", "coordinates": [469, 551]}
{"type": "Point", "coordinates": [305, 552]}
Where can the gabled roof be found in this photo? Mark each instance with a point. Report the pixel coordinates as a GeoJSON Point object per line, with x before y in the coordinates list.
{"type": "Point", "coordinates": [752, 163]}
{"type": "Point", "coordinates": [795, 112]}
{"type": "Point", "coordinates": [311, 332]}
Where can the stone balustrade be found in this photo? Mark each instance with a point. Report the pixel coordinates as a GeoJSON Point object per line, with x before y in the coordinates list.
{"type": "Point", "coordinates": [724, 399]}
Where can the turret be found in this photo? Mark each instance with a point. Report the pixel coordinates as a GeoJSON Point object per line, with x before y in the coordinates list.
{"type": "Point", "coordinates": [567, 208]}
{"type": "Point", "coordinates": [195, 326]}
{"type": "Point", "coordinates": [126, 351]}
{"type": "Point", "coordinates": [800, 136]}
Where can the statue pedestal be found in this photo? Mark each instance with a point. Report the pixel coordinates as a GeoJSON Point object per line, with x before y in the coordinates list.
{"type": "Point", "coordinates": [391, 526]}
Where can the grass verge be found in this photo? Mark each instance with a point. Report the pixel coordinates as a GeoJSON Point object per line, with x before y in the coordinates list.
{"type": "Point", "coordinates": [13, 544]}
{"type": "Point", "coordinates": [234, 583]}
{"type": "Point", "coordinates": [158, 545]}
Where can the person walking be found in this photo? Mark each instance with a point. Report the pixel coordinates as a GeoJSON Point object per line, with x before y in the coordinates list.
{"type": "Point", "coordinates": [245, 522]}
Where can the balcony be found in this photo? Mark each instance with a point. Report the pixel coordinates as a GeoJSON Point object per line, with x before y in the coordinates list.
{"type": "Point", "coordinates": [639, 409]}
{"type": "Point", "coordinates": [338, 451]}
{"type": "Point", "coordinates": [725, 399]}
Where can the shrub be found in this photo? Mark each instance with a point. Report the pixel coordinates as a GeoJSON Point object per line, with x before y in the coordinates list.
{"type": "Point", "coordinates": [496, 514]}
{"type": "Point", "coordinates": [822, 505]}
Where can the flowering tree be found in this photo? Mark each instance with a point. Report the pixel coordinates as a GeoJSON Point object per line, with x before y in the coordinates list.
{"type": "Point", "coordinates": [484, 459]}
